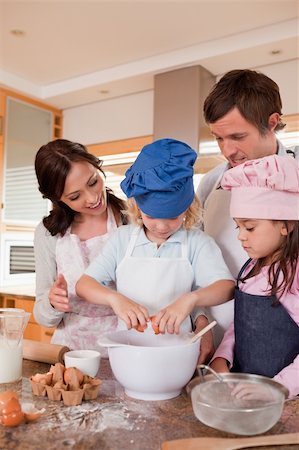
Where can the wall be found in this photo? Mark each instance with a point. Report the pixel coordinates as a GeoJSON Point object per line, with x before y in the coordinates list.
{"type": "Point", "coordinates": [110, 120]}
{"type": "Point", "coordinates": [132, 115]}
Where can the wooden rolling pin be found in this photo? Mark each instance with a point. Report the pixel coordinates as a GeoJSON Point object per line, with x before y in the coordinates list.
{"type": "Point", "coordinates": [43, 351]}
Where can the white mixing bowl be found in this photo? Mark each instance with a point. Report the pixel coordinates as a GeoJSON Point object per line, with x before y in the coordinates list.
{"type": "Point", "coordinates": [152, 367]}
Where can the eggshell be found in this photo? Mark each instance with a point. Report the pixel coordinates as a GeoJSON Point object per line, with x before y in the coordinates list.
{"type": "Point", "coordinates": [11, 414]}
{"type": "Point", "coordinates": [5, 397]}
{"type": "Point", "coordinates": [154, 326]}
{"type": "Point", "coordinates": [31, 413]}
{"type": "Point", "coordinates": [140, 328]}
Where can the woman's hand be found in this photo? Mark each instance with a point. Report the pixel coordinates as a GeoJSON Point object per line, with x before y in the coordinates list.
{"type": "Point", "coordinates": [132, 313]}
{"type": "Point", "coordinates": [58, 295]}
{"type": "Point", "coordinates": [170, 318]}
{"type": "Point", "coordinates": [220, 365]}
{"type": "Point", "coordinates": [207, 347]}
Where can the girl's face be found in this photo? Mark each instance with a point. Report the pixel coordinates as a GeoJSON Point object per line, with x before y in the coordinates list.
{"type": "Point", "coordinates": [84, 189]}
{"type": "Point", "coordinates": [261, 238]}
{"type": "Point", "coordinates": [159, 230]}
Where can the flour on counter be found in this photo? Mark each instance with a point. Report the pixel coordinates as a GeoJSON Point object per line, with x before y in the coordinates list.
{"type": "Point", "coordinates": [88, 416]}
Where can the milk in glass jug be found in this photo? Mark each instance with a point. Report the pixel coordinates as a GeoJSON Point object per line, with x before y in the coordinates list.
{"type": "Point", "coordinates": [13, 322]}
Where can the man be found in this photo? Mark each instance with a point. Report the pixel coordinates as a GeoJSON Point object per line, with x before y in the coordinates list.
{"type": "Point", "coordinates": [243, 112]}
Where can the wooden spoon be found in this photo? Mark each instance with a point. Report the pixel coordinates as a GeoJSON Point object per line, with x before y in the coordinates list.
{"type": "Point", "coordinates": [210, 443]}
{"type": "Point", "coordinates": [202, 332]}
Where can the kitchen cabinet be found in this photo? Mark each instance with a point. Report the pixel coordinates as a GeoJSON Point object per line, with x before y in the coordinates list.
{"type": "Point", "coordinates": [25, 125]}
{"type": "Point", "coordinates": [33, 330]}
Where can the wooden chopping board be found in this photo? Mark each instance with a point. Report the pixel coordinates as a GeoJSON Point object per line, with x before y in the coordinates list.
{"type": "Point", "coordinates": [206, 443]}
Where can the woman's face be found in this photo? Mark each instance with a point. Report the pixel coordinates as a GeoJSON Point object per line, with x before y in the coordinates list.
{"type": "Point", "coordinates": [84, 189]}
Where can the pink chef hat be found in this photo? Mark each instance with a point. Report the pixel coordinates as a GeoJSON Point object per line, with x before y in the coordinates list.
{"type": "Point", "coordinates": [265, 188]}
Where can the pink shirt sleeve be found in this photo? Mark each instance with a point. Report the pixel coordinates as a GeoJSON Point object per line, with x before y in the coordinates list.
{"type": "Point", "coordinates": [226, 347]}
{"type": "Point", "coordinates": [289, 377]}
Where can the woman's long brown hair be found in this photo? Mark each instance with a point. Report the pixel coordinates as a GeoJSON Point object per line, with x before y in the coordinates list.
{"type": "Point", "coordinates": [52, 164]}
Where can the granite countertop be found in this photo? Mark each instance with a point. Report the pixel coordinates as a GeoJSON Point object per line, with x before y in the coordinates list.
{"type": "Point", "coordinates": [115, 421]}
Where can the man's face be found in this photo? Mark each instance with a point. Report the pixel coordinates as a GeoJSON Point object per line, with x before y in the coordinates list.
{"type": "Point", "coordinates": [239, 140]}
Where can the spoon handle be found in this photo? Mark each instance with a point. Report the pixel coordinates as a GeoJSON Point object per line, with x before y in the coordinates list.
{"type": "Point", "coordinates": [203, 331]}
{"type": "Point", "coordinates": [210, 443]}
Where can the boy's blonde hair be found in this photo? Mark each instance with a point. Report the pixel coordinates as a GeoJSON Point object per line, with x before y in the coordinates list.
{"type": "Point", "coordinates": [193, 214]}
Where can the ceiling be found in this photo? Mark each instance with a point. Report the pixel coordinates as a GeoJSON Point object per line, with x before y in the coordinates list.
{"type": "Point", "coordinates": [70, 53]}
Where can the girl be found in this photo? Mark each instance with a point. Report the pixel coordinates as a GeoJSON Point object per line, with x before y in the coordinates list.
{"type": "Point", "coordinates": [84, 214]}
{"type": "Point", "coordinates": [161, 257]}
{"type": "Point", "coordinates": [264, 338]}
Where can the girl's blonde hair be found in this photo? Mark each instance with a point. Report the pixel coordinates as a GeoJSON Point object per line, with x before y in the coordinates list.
{"type": "Point", "coordinates": [193, 215]}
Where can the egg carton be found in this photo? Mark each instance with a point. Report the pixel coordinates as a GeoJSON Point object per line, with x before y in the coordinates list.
{"type": "Point", "coordinates": [68, 385]}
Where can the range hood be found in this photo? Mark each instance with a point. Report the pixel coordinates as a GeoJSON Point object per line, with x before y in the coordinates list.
{"type": "Point", "coordinates": [178, 104]}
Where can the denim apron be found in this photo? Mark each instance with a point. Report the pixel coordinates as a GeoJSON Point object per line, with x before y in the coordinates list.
{"type": "Point", "coordinates": [266, 337]}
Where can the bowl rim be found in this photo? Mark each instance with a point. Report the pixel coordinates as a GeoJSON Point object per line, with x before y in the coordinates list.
{"type": "Point", "coordinates": [128, 345]}
{"type": "Point", "coordinates": [235, 376]}
{"type": "Point", "coordinates": [93, 354]}
{"type": "Point", "coordinates": [240, 410]}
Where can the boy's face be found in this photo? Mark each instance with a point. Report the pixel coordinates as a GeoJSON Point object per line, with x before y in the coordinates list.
{"type": "Point", "coordinates": [240, 141]}
{"type": "Point", "coordinates": [159, 230]}
{"type": "Point", "coordinates": [261, 238]}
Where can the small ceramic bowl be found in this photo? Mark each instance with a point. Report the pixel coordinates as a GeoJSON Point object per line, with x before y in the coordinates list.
{"type": "Point", "coordinates": [88, 361]}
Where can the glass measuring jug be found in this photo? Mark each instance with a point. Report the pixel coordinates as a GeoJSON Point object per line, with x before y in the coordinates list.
{"type": "Point", "coordinates": [13, 322]}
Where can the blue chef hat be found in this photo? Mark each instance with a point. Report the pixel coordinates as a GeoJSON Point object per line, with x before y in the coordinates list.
{"type": "Point", "coordinates": [161, 178]}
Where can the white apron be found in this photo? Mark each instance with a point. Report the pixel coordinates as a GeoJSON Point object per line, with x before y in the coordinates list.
{"type": "Point", "coordinates": [154, 282]}
{"type": "Point", "coordinates": [81, 328]}
{"type": "Point", "coordinates": [219, 225]}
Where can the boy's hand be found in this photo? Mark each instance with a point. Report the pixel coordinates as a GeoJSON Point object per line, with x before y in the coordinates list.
{"type": "Point", "coordinates": [170, 318]}
{"type": "Point", "coordinates": [133, 314]}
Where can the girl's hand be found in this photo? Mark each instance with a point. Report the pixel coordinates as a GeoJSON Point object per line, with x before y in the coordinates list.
{"type": "Point", "coordinates": [58, 295]}
{"type": "Point", "coordinates": [207, 347]}
{"type": "Point", "coordinates": [220, 365]}
{"type": "Point", "coordinates": [170, 318]}
{"type": "Point", "coordinates": [132, 313]}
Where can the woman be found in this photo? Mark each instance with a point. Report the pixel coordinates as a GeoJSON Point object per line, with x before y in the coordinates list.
{"type": "Point", "coordinates": [84, 214]}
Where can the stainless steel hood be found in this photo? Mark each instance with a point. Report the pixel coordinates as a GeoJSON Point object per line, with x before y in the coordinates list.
{"type": "Point", "coordinates": [178, 103]}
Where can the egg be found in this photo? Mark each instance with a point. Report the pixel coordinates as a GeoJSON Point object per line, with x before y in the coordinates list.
{"type": "Point", "coordinates": [140, 328]}
{"type": "Point", "coordinates": [73, 376]}
{"type": "Point", "coordinates": [11, 413]}
{"type": "Point", "coordinates": [154, 326]}
{"type": "Point", "coordinates": [5, 397]}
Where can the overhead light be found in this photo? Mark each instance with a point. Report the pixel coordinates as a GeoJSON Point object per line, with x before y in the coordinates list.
{"type": "Point", "coordinates": [18, 33]}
